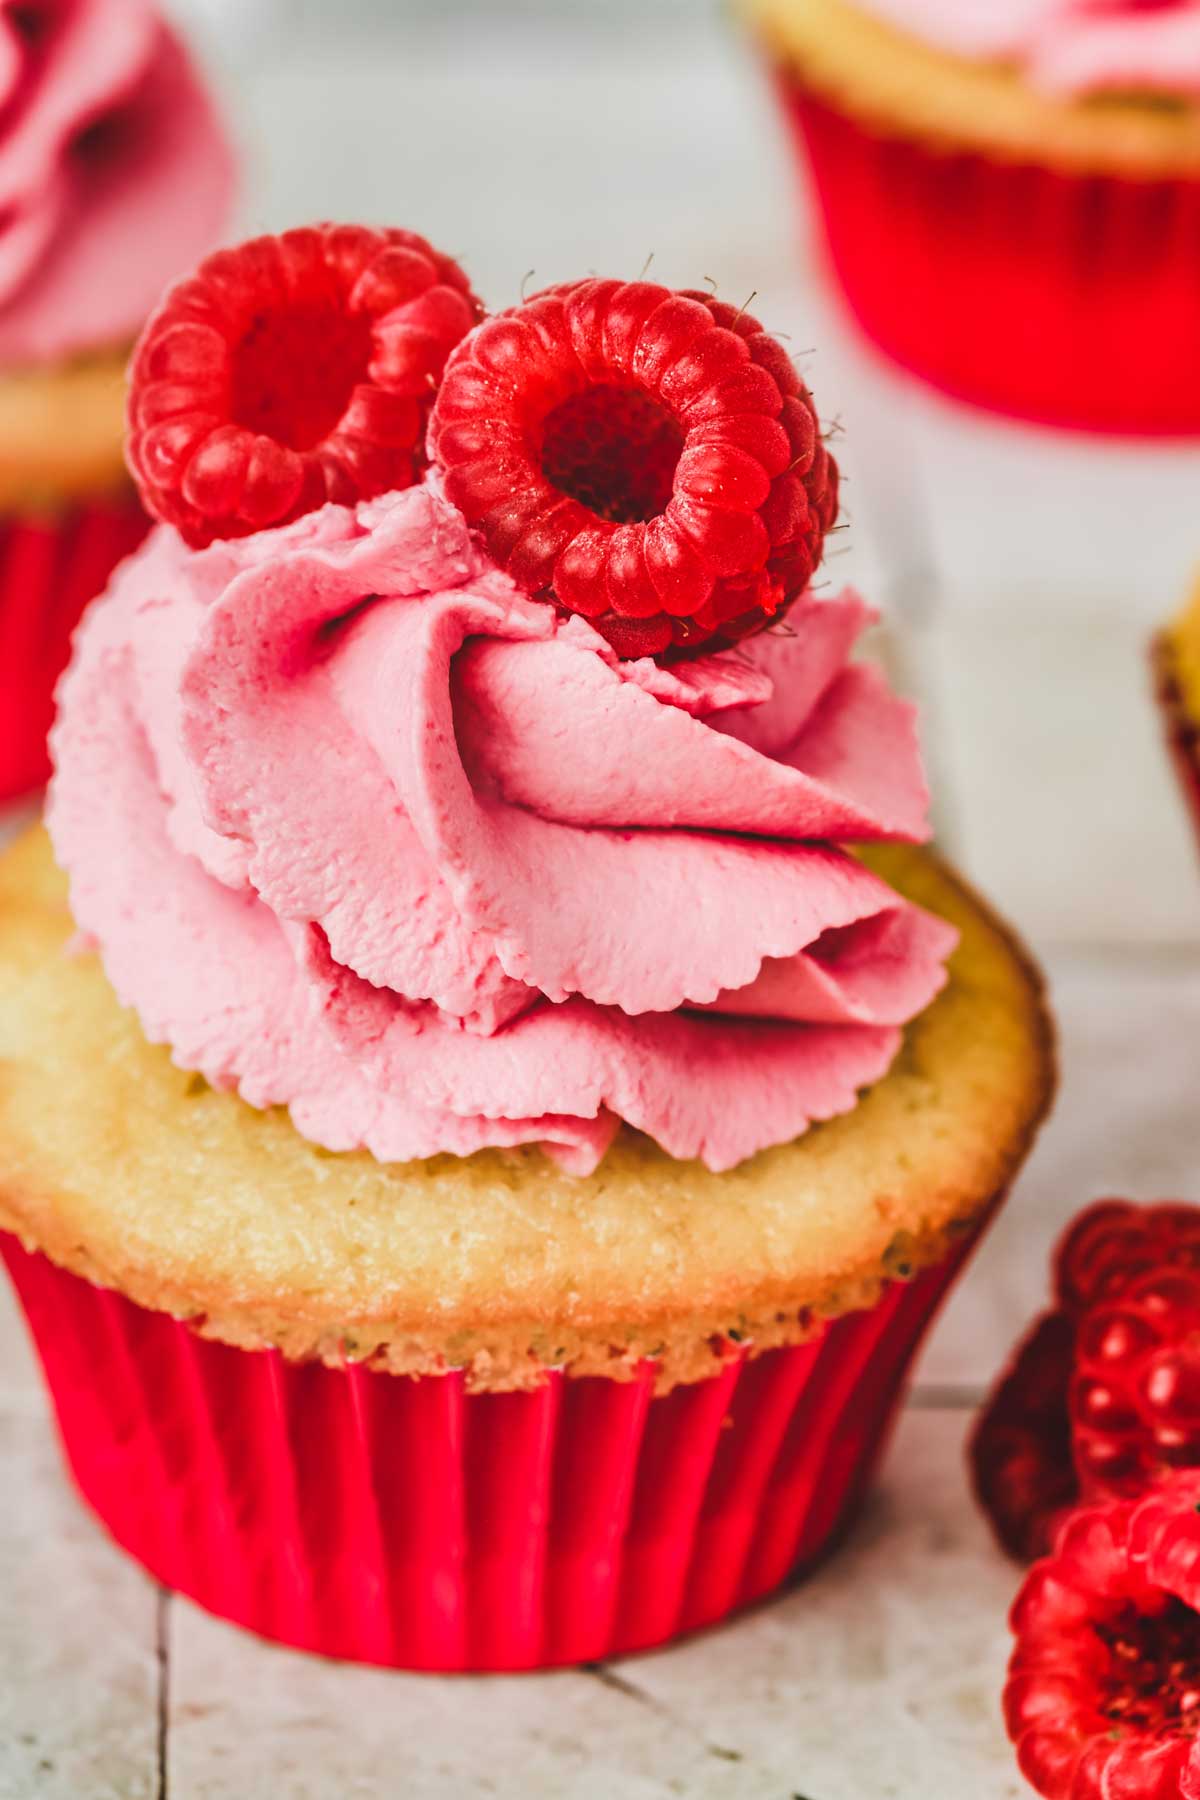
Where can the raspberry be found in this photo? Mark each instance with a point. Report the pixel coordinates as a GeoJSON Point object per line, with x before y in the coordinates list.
{"type": "Point", "coordinates": [1103, 1692]}
{"type": "Point", "coordinates": [648, 459]}
{"type": "Point", "coordinates": [1020, 1450]}
{"type": "Point", "coordinates": [1110, 1244]}
{"type": "Point", "coordinates": [1135, 1393]}
{"type": "Point", "coordinates": [292, 371]}
{"type": "Point", "coordinates": [1103, 1398]}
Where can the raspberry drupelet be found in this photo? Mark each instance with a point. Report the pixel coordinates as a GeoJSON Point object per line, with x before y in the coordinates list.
{"type": "Point", "coordinates": [1131, 1276]}
{"type": "Point", "coordinates": [1135, 1392]}
{"type": "Point", "coordinates": [289, 372]}
{"type": "Point", "coordinates": [648, 459]}
{"type": "Point", "coordinates": [1103, 1692]}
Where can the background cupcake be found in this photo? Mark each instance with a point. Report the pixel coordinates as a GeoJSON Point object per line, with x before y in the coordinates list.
{"type": "Point", "coordinates": [1176, 657]}
{"type": "Point", "coordinates": [1010, 193]}
{"type": "Point", "coordinates": [114, 174]}
{"type": "Point", "coordinates": [635, 1122]}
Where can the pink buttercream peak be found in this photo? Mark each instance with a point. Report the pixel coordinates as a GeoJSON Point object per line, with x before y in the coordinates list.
{"type": "Point", "coordinates": [406, 851]}
{"type": "Point", "coordinates": [114, 173]}
{"type": "Point", "coordinates": [1067, 47]}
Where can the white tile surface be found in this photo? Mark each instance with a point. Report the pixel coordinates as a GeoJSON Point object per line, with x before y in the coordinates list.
{"type": "Point", "coordinates": [879, 1677]}
{"type": "Point", "coordinates": [20, 1382]}
{"type": "Point", "coordinates": [79, 1673]}
{"type": "Point", "coordinates": [1127, 1122]}
{"type": "Point", "coordinates": [1060, 798]}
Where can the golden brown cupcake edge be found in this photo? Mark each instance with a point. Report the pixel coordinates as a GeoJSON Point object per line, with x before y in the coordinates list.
{"type": "Point", "coordinates": [895, 83]}
{"type": "Point", "coordinates": [137, 1175]}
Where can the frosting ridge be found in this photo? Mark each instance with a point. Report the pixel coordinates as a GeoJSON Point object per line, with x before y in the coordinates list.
{"type": "Point", "coordinates": [407, 852]}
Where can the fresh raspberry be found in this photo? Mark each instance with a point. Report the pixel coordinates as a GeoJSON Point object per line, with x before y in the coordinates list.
{"type": "Point", "coordinates": [648, 459]}
{"type": "Point", "coordinates": [1103, 1692]}
{"type": "Point", "coordinates": [1020, 1450]}
{"type": "Point", "coordinates": [1103, 1397]}
{"type": "Point", "coordinates": [292, 371]}
{"type": "Point", "coordinates": [1109, 1245]}
{"type": "Point", "coordinates": [1135, 1393]}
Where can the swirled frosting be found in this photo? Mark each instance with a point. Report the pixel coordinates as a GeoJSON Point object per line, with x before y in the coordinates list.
{"type": "Point", "coordinates": [361, 830]}
{"type": "Point", "coordinates": [1066, 47]}
{"type": "Point", "coordinates": [114, 174]}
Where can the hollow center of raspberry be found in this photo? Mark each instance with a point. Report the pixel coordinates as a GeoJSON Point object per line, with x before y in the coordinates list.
{"type": "Point", "coordinates": [1152, 1681]}
{"type": "Point", "coordinates": [29, 21]}
{"type": "Point", "coordinates": [614, 449]}
{"type": "Point", "coordinates": [293, 372]}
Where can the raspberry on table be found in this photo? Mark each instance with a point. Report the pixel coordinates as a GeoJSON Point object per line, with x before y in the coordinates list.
{"type": "Point", "coordinates": [1135, 1392]}
{"type": "Point", "coordinates": [289, 372]}
{"type": "Point", "coordinates": [647, 459]}
{"type": "Point", "coordinates": [1110, 1244]}
{"type": "Point", "coordinates": [1103, 1398]}
{"type": "Point", "coordinates": [1020, 1449]}
{"type": "Point", "coordinates": [1103, 1693]}
{"type": "Point", "coordinates": [1131, 1276]}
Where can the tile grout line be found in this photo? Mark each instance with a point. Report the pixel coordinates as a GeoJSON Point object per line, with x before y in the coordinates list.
{"type": "Point", "coordinates": [162, 1654]}
{"type": "Point", "coordinates": [945, 1396]}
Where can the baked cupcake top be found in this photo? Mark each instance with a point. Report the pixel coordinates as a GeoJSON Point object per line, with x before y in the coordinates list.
{"type": "Point", "coordinates": [476, 774]}
{"type": "Point", "coordinates": [114, 173]}
{"type": "Point", "coordinates": [1066, 47]}
{"type": "Point", "coordinates": [981, 77]}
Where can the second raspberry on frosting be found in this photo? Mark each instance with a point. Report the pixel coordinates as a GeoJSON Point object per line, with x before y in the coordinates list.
{"type": "Point", "coordinates": [648, 459]}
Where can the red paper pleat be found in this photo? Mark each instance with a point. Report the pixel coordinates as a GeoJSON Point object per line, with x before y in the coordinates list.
{"type": "Point", "coordinates": [1063, 298]}
{"type": "Point", "coordinates": [49, 570]}
{"type": "Point", "coordinates": [407, 1522]}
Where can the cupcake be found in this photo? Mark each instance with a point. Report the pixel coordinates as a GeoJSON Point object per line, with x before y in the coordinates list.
{"type": "Point", "coordinates": [1010, 193]}
{"type": "Point", "coordinates": [1177, 681]}
{"type": "Point", "coordinates": [114, 176]}
{"type": "Point", "coordinates": [495, 1089]}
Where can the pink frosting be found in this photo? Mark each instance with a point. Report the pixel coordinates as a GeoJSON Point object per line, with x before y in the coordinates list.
{"type": "Point", "coordinates": [1067, 47]}
{"type": "Point", "coordinates": [361, 830]}
{"type": "Point", "coordinates": [114, 174]}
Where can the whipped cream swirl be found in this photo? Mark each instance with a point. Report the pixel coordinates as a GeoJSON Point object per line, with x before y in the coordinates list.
{"type": "Point", "coordinates": [361, 830]}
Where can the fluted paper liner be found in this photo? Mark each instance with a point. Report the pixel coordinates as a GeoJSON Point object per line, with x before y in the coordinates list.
{"type": "Point", "coordinates": [1068, 299]}
{"type": "Point", "coordinates": [405, 1521]}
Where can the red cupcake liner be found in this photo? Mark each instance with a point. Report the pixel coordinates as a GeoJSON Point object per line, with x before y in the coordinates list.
{"type": "Point", "coordinates": [1066, 299]}
{"type": "Point", "coordinates": [50, 567]}
{"type": "Point", "coordinates": [1182, 731]}
{"type": "Point", "coordinates": [404, 1521]}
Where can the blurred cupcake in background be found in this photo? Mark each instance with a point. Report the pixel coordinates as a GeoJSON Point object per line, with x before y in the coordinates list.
{"type": "Point", "coordinates": [114, 174]}
{"type": "Point", "coordinates": [1177, 677]}
{"type": "Point", "coordinates": [1010, 192]}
